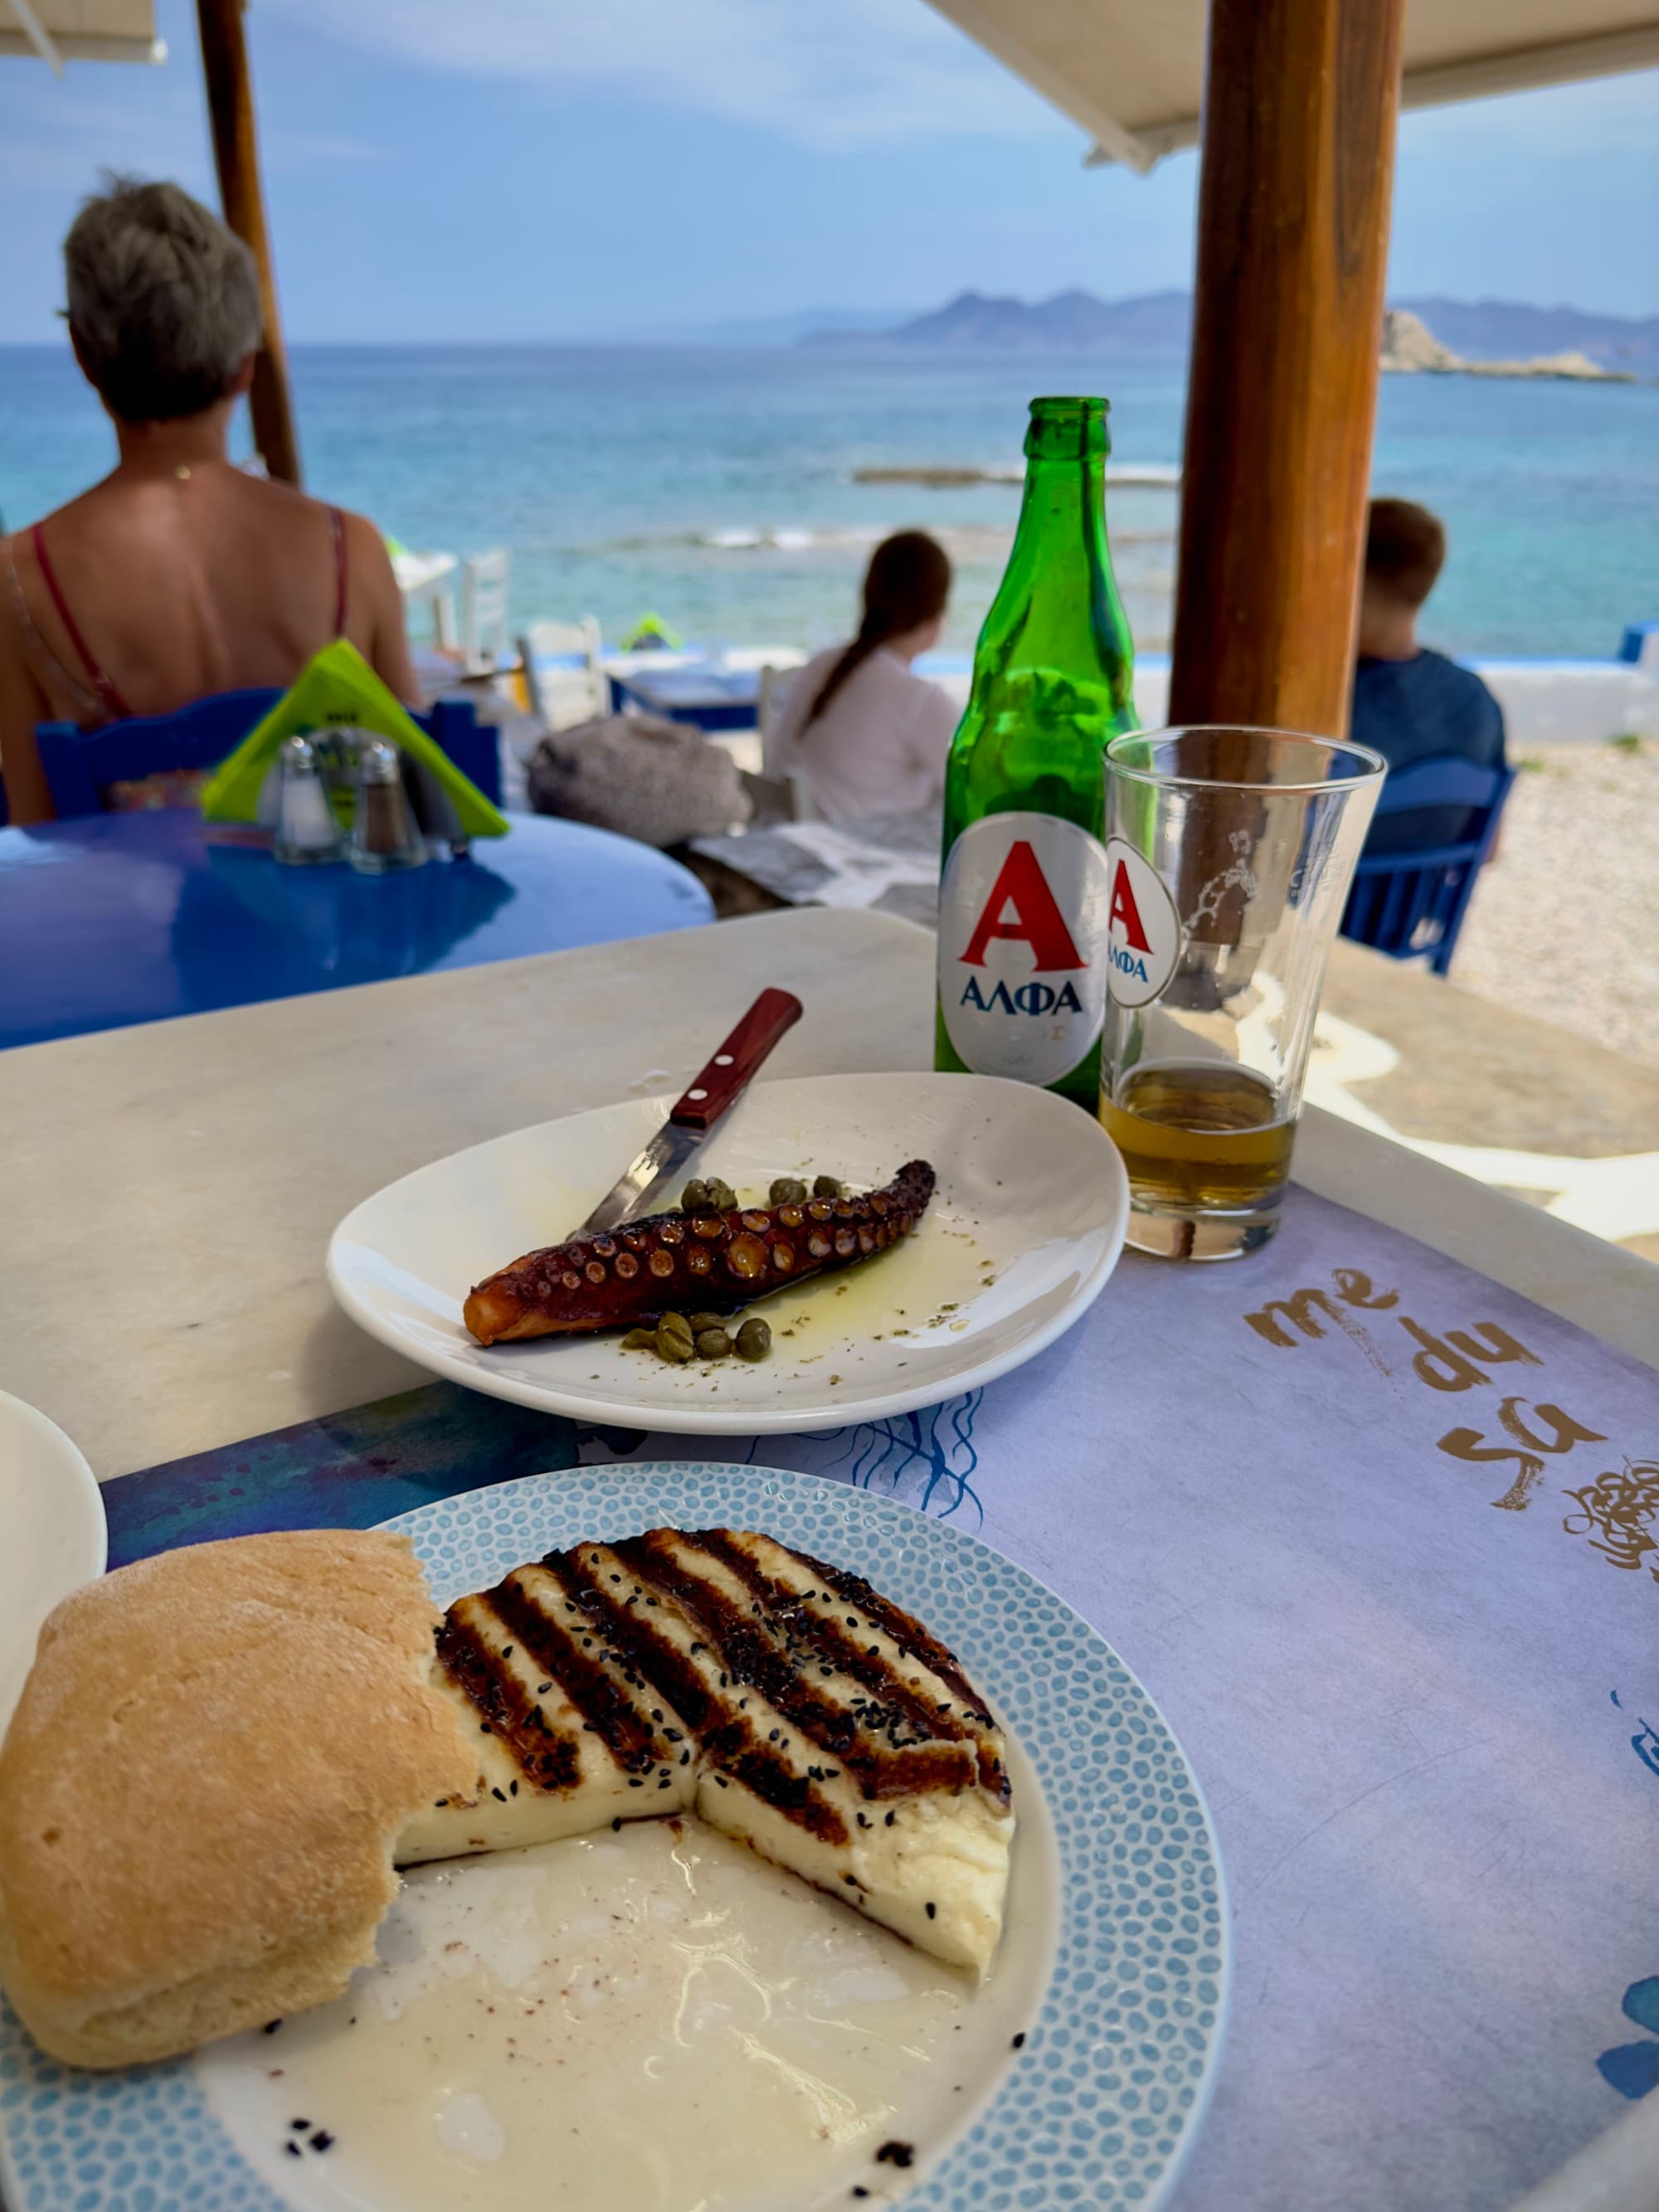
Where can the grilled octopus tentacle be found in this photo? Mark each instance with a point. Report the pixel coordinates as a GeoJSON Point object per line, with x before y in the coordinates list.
{"type": "Point", "coordinates": [709, 1261]}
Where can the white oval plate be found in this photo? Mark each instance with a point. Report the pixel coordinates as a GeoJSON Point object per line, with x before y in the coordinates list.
{"type": "Point", "coordinates": [53, 1536]}
{"type": "Point", "coordinates": [1023, 1231]}
{"type": "Point", "coordinates": [1114, 1969]}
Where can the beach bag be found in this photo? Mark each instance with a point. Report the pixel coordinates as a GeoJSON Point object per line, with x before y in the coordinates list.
{"type": "Point", "coordinates": [656, 780]}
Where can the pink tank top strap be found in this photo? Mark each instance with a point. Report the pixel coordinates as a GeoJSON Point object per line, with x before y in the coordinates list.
{"type": "Point", "coordinates": [108, 696]}
{"type": "Point", "coordinates": [338, 521]}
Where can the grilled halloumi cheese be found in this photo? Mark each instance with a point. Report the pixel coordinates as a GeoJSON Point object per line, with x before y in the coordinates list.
{"type": "Point", "coordinates": [785, 1701]}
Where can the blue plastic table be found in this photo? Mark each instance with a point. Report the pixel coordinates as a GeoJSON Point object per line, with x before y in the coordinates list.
{"type": "Point", "coordinates": [121, 918]}
{"type": "Point", "coordinates": [714, 698]}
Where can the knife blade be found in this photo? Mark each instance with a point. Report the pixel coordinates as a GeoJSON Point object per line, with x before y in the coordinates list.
{"type": "Point", "coordinates": [709, 1096]}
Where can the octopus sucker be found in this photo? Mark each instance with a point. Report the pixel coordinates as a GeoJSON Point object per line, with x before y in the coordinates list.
{"type": "Point", "coordinates": [729, 1260]}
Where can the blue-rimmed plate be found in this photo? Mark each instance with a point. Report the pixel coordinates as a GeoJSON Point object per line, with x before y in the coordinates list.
{"type": "Point", "coordinates": [1112, 1976]}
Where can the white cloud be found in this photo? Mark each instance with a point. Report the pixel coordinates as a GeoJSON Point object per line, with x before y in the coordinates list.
{"type": "Point", "coordinates": [824, 72]}
{"type": "Point", "coordinates": [80, 132]}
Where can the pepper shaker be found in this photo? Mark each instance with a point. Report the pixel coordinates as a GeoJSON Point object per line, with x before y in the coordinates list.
{"type": "Point", "coordinates": [384, 835]}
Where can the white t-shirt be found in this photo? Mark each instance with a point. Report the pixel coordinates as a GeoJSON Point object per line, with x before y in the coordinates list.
{"type": "Point", "coordinates": [878, 747]}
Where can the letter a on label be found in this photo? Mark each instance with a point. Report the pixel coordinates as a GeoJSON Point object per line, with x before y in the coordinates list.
{"type": "Point", "coordinates": [1126, 914]}
{"type": "Point", "coordinates": [1144, 931]}
{"type": "Point", "coordinates": [1036, 919]}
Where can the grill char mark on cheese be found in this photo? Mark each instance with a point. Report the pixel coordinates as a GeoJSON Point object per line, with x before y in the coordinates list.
{"type": "Point", "coordinates": [605, 1705]}
{"type": "Point", "coordinates": [906, 1631]}
{"type": "Point", "coordinates": [755, 1658]}
{"type": "Point", "coordinates": [547, 1757]}
{"type": "Point", "coordinates": [899, 1706]}
{"type": "Point", "coordinates": [726, 1736]}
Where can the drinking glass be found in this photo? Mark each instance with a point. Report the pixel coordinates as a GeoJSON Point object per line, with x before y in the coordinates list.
{"type": "Point", "coordinates": [1230, 852]}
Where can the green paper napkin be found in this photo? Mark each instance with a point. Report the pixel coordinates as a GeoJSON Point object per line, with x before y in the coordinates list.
{"type": "Point", "coordinates": [339, 690]}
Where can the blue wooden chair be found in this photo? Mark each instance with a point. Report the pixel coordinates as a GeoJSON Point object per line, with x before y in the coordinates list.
{"type": "Point", "coordinates": [79, 764]}
{"type": "Point", "coordinates": [1414, 902]}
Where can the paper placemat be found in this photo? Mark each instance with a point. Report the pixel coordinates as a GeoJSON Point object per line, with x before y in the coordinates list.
{"type": "Point", "coordinates": [1383, 1540]}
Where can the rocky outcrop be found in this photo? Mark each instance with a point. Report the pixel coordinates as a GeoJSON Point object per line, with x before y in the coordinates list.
{"type": "Point", "coordinates": [1410, 348]}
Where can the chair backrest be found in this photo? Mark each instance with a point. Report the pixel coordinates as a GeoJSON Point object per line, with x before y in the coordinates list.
{"type": "Point", "coordinates": [775, 680]}
{"type": "Point", "coordinates": [1414, 902]}
{"type": "Point", "coordinates": [79, 765]}
{"type": "Point", "coordinates": [485, 580]}
{"type": "Point", "coordinates": [563, 680]}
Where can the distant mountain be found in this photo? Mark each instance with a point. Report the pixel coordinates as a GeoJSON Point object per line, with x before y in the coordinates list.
{"type": "Point", "coordinates": [780, 329]}
{"type": "Point", "coordinates": [1157, 325]}
{"type": "Point", "coordinates": [1501, 329]}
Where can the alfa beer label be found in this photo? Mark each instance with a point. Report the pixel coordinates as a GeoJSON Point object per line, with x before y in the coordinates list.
{"type": "Point", "coordinates": [1022, 945]}
{"type": "Point", "coordinates": [1143, 927]}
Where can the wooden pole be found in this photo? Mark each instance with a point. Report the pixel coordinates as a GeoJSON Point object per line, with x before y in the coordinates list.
{"type": "Point", "coordinates": [1300, 102]}
{"type": "Point", "coordinates": [236, 156]}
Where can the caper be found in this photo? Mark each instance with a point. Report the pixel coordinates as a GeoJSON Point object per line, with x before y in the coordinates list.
{"type": "Point", "coordinates": [694, 1199]}
{"type": "Point", "coordinates": [675, 1323]}
{"type": "Point", "coordinates": [786, 1190]}
{"type": "Point", "coordinates": [722, 1199]}
{"type": "Point", "coordinates": [673, 1345]}
{"type": "Point", "coordinates": [714, 1344]}
{"type": "Point", "coordinates": [754, 1339]}
{"type": "Point", "coordinates": [827, 1186]}
{"type": "Point", "coordinates": [640, 1340]}
{"type": "Point", "coordinates": [700, 1321]}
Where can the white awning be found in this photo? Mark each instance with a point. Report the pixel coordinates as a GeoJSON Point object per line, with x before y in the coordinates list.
{"type": "Point", "coordinates": [1131, 72]}
{"type": "Point", "coordinates": [59, 31]}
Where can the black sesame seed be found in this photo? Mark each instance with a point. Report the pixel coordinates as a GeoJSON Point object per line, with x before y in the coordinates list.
{"type": "Point", "coordinates": [299, 2123]}
{"type": "Point", "coordinates": [892, 1817]}
{"type": "Point", "coordinates": [271, 2027]}
{"type": "Point", "coordinates": [1019, 2041]}
{"type": "Point", "coordinates": [501, 1794]}
{"type": "Point", "coordinates": [292, 2148]}
{"type": "Point", "coordinates": [896, 2153]}
{"type": "Point", "coordinates": [511, 1788]}
{"type": "Point", "coordinates": [321, 2140]}
{"type": "Point", "coordinates": [616, 1824]}
{"type": "Point", "coordinates": [932, 1910]}
{"type": "Point", "coordinates": [506, 1650]}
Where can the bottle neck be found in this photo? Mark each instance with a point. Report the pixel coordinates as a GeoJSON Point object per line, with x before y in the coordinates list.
{"type": "Point", "coordinates": [1057, 601]}
{"type": "Point", "coordinates": [1063, 509]}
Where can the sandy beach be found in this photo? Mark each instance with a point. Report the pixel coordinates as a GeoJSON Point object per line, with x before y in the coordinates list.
{"type": "Point", "coordinates": [1565, 923]}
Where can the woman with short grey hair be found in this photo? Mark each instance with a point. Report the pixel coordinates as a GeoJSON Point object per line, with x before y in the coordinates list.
{"type": "Point", "coordinates": [180, 574]}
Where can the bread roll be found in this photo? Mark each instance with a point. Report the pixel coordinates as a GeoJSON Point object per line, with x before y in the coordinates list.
{"type": "Point", "coordinates": [201, 1785]}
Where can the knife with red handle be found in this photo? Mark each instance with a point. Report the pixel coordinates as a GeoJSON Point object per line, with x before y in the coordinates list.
{"type": "Point", "coordinates": [707, 1098]}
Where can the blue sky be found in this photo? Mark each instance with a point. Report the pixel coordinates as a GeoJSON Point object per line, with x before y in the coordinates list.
{"type": "Point", "coordinates": [559, 169]}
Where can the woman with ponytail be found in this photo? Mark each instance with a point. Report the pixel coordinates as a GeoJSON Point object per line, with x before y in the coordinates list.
{"type": "Point", "coordinates": [866, 734]}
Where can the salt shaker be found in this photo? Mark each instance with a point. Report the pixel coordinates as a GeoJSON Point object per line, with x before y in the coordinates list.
{"type": "Point", "coordinates": [385, 836]}
{"type": "Point", "coordinates": [305, 829]}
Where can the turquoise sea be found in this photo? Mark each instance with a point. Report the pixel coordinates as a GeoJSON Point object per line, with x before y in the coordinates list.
{"type": "Point", "coordinates": [714, 487]}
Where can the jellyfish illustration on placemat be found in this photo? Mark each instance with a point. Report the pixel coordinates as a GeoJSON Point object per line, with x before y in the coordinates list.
{"type": "Point", "coordinates": [1632, 2069]}
{"type": "Point", "coordinates": [927, 1457]}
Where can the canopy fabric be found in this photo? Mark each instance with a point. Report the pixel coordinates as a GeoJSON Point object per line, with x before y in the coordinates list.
{"type": "Point", "coordinates": [1131, 72]}
{"type": "Point", "coordinates": [58, 31]}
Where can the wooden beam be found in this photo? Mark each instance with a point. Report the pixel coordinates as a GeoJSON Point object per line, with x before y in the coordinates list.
{"type": "Point", "coordinates": [1300, 102]}
{"type": "Point", "coordinates": [236, 156]}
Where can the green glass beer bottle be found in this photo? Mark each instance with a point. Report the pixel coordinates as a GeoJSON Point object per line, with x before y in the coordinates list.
{"type": "Point", "coordinates": [1023, 900]}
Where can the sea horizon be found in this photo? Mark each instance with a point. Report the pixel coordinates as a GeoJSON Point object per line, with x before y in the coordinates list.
{"type": "Point", "coordinates": [714, 485]}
